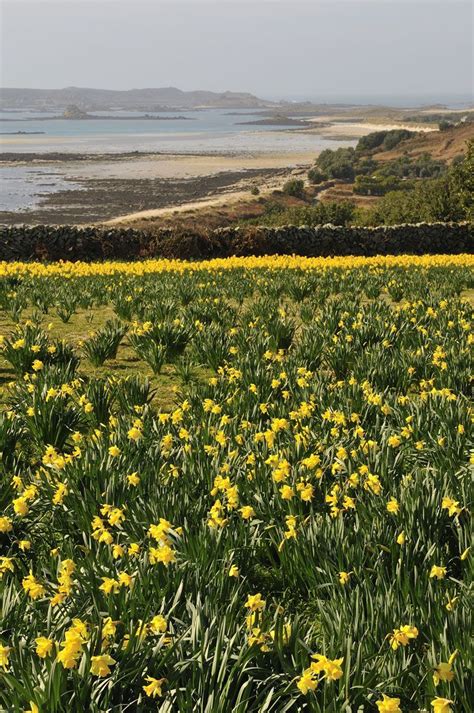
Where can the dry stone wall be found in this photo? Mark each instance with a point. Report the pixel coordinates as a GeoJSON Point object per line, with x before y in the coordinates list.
{"type": "Point", "coordinates": [52, 243]}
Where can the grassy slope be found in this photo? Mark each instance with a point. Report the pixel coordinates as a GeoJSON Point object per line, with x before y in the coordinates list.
{"type": "Point", "coordinates": [443, 145]}
{"type": "Point", "coordinates": [77, 329]}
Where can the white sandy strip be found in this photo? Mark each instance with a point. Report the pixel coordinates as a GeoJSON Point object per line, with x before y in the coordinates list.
{"type": "Point", "coordinates": [362, 128]}
{"type": "Point", "coordinates": [227, 199]}
{"type": "Point", "coordinates": [235, 194]}
{"type": "Point", "coordinates": [187, 166]}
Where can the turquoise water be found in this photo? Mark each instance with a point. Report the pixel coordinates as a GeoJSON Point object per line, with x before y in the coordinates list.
{"type": "Point", "coordinates": [207, 131]}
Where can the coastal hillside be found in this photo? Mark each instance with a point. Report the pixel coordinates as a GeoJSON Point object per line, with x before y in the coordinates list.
{"type": "Point", "coordinates": [163, 97]}
{"type": "Point", "coordinates": [364, 185]}
{"type": "Point", "coordinates": [441, 145]}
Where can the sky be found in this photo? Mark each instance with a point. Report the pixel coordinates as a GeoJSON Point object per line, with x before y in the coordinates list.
{"type": "Point", "coordinates": [313, 49]}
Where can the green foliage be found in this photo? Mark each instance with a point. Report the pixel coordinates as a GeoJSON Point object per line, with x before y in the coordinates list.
{"type": "Point", "coordinates": [372, 178]}
{"type": "Point", "coordinates": [66, 309]}
{"type": "Point", "coordinates": [153, 353]}
{"type": "Point", "coordinates": [448, 198]}
{"type": "Point", "coordinates": [347, 163]}
{"type": "Point", "coordinates": [104, 343]}
{"type": "Point", "coordinates": [29, 348]}
{"type": "Point", "coordinates": [338, 163]}
{"type": "Point", "coordinates": [462, 182]}
{"type": "Point", "coordinates": [316, 176]}
{"type": "Point", "coordinates": [423, 166]}
{"type": "Point", "coordinates": [334, 212]}
{"type": "Point", "coordinates": [393, 175]}
{"type": "Point", "coordinates": [430, 201]}
{"type": "Point", "coordinates": [383, 140]}
{"type": "Point", "coordinates": [294, 187]}
{"type": "Point", "coordinates": [378, 185]}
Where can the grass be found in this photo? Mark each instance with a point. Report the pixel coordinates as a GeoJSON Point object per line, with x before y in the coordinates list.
{"type": "Point", "coordinates": [77, 329]}
{"type": "Point", "coordinates": [291, 535]}
{"type": "Point", "coordinates": [127, 363]}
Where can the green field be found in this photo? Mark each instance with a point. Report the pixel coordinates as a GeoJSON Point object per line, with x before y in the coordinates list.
{"type": "Point", "coordinates": [236, 486]}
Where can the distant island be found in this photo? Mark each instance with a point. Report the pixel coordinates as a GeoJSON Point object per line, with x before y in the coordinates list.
{"type": "Point", "coordinates": [276, 120]}
{"type": "Point", "coordinates": [155, 99]}
{"type": "Point", "coordinates": [172, 100]}
{"type": "Point", "coordinates": [73, 112]}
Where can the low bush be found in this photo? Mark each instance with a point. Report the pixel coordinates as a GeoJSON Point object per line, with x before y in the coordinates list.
{"type": "Point", "coordinates": [294, 187]}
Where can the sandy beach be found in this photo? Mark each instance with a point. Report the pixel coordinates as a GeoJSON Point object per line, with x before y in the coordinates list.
{"type": "Point", "coordinates": [100, 188]}
{"type": "Point", "coordinates": [185, 166]}
{"type": "Point", "coordinates": [123, 187]}
{"type": "Point", "coordinates": [359, 128]}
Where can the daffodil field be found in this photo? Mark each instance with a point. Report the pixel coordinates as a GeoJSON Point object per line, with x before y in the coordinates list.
{"type": "Point", "coordinates": [286, 529]}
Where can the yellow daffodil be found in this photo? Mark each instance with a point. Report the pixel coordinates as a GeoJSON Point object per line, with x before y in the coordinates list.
{"type": "Point", "coordinates": [100, 665]}
{"type": "Point", "coordinates": [389, 705]}
{"type": "Point", "coordinates": [441, 705]}
{"type": "Point", "coordinates": [154, 686]}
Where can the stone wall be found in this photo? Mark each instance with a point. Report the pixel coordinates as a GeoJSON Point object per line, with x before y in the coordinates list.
{"type": "Point", "coordinates": [54, 243]}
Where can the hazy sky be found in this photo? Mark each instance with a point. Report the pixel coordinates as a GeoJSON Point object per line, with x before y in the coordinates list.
{"type": "Point", "coordinates": [274, 48]}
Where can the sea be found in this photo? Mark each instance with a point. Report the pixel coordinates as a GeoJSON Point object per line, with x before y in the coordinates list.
{"type": "Point", "coordinates": [199, 131]}
{"type": "Point", "coordinates": [210, 131]}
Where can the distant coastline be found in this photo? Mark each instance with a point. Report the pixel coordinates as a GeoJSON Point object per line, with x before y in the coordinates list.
{"type": "Point", "coordinates": [96, 117]}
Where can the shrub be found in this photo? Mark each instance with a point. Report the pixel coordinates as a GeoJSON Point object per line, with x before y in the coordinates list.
{"type": "Point", "coordinates": [386, 140]}
{"type": "Point", "coordinates": [334, 212]}
{"type": "Point", "coordinates": [337, 164]}
{"type": "Point", "coordinates": [316, 176]}
{"type": "Point", "coordinates": [430, 201]}
{"type": "Point", "coordinates": [423, 166]}
{"type": "Point", "coordinates": [462, 182]}
{"type": "Point", "coordinates": [444, 125]}
{"type": "Point", "coordinates": [378, 185]}
{"type": "Point", "coordinates": [294, 187]}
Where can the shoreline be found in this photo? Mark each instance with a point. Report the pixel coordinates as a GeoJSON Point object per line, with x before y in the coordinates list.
{"type": "Point", "coordinates": [100, 200]}
{"type": "Point", "coordinates": [116, 186]}
{"type": "Point", "coordinates": [130, 185]}
{"type": "Point", "coordinates": [27, 158]}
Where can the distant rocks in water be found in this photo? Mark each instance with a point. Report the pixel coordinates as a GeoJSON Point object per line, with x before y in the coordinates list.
{"type": "Point", "coordinates": [73, 112]}
{"type": "Point", "coordinates": [277, 120]}
{"type": "Point", "coordinates": [20, 133]}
